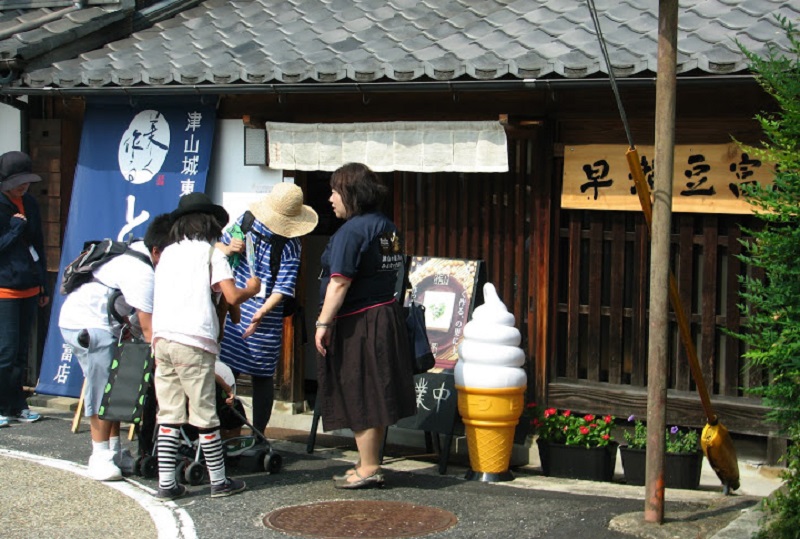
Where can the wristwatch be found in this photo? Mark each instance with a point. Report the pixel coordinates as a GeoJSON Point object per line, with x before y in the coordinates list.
{"type": "Point", "coordinates": [319, 324]}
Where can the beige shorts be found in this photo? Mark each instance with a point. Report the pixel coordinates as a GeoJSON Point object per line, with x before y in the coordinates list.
{"type": "Point", "coordinates": [185, 373]}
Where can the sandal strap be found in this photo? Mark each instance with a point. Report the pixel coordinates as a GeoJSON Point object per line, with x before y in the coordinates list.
{"type": "Point", "coordinates": [362, 478]}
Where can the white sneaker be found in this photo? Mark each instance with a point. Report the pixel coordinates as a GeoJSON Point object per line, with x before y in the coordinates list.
{"type": "Point", "coordinates": [125, 462]}
{"type": "Point", "coordinates": [102, 467]}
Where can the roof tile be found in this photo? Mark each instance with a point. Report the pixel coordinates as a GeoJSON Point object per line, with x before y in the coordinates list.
{"type": "Point", "coordinates": [366, 40]}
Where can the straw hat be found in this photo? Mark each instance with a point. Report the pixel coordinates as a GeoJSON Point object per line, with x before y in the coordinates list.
{"type": "Point", "coordinates": [16, 168]}
{"type": "Point", "coordinates": [283, 212]}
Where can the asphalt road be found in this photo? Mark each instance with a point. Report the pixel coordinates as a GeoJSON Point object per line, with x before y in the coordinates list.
{"type": "Point", "coordinates": [41, 501]}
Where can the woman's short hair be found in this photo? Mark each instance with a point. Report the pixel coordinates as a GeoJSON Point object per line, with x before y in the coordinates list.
{"type": "Point", "coordinates": [360, 188]}
{"type": "Point", "coordinates": [196, 226]}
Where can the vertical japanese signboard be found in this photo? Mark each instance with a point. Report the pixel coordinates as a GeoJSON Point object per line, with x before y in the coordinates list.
{"type": "Point", "coordinates": [447, 287]}
{"type": "Point", "coordinates": [134, 163]}
{"type": "Point", "coordinates": [708, 178]}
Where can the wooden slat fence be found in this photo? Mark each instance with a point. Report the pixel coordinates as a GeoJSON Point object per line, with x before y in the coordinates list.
{"type": "Point", "coordinates": [602, 300]}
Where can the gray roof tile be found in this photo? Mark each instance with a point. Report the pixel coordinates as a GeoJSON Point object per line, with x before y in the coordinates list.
{"type": "Point", "coordinates": [735, 19]}
{"type": "Point", "coordinates": [266, 41]}
{"type": "Point", "coordinates": [765, 31]}
{"type": "Point", "coordinates": [756, 8]}
{"type": "Point", "coordinates": [541, 15]}
{"type": "Point", "coordinates": [707, 9]}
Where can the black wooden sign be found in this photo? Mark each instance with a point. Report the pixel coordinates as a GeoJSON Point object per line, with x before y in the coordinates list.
{"type": "Point", "coordinates": [437, 404]}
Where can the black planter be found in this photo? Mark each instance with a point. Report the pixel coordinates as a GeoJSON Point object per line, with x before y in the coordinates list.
{"type": "Point", "coordinates": [681, 470]}
{"type": "Point", "coordinates": [578, 462]}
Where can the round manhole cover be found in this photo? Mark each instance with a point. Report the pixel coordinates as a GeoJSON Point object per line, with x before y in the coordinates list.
{"type": "Point", "coordinates": [364, 519]}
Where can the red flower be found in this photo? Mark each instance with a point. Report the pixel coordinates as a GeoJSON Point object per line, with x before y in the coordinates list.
{"type": "Point", "coordinates": [536, 423]}
{"type": "Point", "coordinates": [549, 412]}
{"type": "Point", "coordinates": [567, 413]}
{"type": "Point", "coordinates": [593, 425]}
{"type": "Point", "coordinates": [606, 436]}
{"type": "Point", "coordinates": [584, 430]}
{"type": "Point", "coordinates": [608, 419]}
{"type": "Point", "coordinates": [588, 418]}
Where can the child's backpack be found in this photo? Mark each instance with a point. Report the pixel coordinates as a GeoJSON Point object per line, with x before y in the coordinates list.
{"type": "Point", "coordinates": [278, 243]}
{"type": "Point", "coordinates": [95, 254]}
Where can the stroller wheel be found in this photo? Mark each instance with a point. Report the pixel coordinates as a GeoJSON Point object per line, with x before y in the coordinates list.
{"type": "Point", "coordinates": [195, 473]}
{"type": "Point", "coordinates": [273, 463]}
{"type": "Point", "coordinates": [180, 472]}
{"type": "Point", "coordinates": [137, 465]}
{"type": "Point", "coordinates": [149, 467]}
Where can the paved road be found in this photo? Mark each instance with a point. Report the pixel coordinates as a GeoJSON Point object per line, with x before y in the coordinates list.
{"type": "Point", "coordinates": [64, 503]}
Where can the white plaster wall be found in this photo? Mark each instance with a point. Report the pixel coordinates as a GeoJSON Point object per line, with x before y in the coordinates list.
{"type": "Point", "coordinates": [11, 130]}
{"type": "Point", "coordinates": [230, 182]}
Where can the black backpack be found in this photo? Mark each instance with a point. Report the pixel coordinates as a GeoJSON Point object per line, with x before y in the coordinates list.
{"type": "Point", "coordinates": [278, 242]}
{"type": "Point", "coordinates": [95, 254]}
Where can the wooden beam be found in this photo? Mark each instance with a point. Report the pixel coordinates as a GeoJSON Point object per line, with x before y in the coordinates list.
{"type": "Point", "coordinates": [254, 122]}
{"type": "Point", "coordinates": [740, 415]}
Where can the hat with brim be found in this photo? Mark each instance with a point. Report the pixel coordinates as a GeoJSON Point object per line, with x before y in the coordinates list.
{"type": "Point", "coordinates": [199, 203]}
{"type": "Point", "coordinates": [283, 212]}
{"type": "Point", "coordinates": [16, 168]}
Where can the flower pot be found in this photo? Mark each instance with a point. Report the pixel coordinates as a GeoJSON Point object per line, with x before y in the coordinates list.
{"type": "Point", "coordinates": [578, 462]}
{"type": "Point", "coordinates": [681, 470]}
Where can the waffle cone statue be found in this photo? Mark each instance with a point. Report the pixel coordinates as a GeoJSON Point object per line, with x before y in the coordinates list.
{"type": "Point", "coordinates": [491, 387]}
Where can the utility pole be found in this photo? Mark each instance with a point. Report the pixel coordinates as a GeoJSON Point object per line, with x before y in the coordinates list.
{"type": "Point", "coordinates": [657, 366]}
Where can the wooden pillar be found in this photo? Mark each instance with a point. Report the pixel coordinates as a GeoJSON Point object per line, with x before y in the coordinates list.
{"type": "Point", "coordinates": [658, 348]}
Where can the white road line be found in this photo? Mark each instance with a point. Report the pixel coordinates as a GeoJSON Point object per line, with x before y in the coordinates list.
{"type": "Point", "coordinates": [170, 520]}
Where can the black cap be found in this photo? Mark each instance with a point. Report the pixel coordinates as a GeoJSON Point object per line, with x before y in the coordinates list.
{"type": "Point", "coordinates": [199, 203]}
{"type": "Point", "coordinates": [16, 168]}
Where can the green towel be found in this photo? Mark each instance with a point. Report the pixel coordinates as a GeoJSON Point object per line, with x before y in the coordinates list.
{"type": "Point", "coordinates": [236, 233]}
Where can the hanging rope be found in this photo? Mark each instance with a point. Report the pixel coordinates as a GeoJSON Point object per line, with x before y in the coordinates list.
{"type": "Point", "coordinates": [604, 49]}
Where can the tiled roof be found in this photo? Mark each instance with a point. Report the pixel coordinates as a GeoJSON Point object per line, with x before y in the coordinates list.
{"type": "Point", "coordinates": [29, 33]}
{"type": "Point", "coordinates": [308, 41]}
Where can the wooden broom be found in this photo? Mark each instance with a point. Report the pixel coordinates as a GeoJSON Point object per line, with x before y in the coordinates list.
{"type": "Point", "coordinates": [715, 439]}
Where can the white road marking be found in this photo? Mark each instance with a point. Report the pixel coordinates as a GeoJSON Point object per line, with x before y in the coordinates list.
{"type": "Point", "coordinates": [170, 520]}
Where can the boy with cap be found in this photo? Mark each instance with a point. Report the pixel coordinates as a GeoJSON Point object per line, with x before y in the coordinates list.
{"type": "Point", "coordinates": [22, 281]}
{"type": "Point", "coordinates": [93, 334]}
{"type": "Point", "coordinates": [191, 276]}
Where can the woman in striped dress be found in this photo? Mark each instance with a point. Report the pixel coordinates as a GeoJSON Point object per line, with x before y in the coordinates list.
{"type": "Point", "coordinates": [253, 346]}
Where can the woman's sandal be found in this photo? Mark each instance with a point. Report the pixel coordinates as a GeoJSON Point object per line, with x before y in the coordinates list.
{"type": "Point", "coordinates": [348, 473]}
{"type": "Point", "coordinates": [374, 480]}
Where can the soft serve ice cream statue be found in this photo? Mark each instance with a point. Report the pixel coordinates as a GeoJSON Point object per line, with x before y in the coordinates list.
{"type": "Point", "coordinates": [491, 386]}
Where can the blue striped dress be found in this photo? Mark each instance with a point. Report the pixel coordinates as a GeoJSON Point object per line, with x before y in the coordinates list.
{"type": "Point", "coordinates": [258, 354]}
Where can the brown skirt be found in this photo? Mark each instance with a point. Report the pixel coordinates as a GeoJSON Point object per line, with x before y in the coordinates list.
{"type": "Point", "coordinates": [365, 380]}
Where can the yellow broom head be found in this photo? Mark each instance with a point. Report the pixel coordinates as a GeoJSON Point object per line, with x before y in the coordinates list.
{"type": "Point", "coordinates": [718, 448]}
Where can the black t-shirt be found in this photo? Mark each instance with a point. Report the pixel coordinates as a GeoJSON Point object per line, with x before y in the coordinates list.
{"type": "Point", "coordinates": [367, 250]}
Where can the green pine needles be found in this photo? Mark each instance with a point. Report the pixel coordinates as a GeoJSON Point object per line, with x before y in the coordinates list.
{"type": "Point", "coordinates": [771, 306]}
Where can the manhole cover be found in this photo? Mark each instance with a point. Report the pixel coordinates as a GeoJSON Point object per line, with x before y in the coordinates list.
{"type": "Point", "coordinates": [355, 518]}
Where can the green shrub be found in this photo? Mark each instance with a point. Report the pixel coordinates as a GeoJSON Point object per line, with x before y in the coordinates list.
{"type": "Point", "coordinates": [771, 306]}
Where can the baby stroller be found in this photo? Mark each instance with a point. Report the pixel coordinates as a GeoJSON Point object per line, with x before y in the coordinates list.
{"type": "Point", "coordinates": [251, 453]}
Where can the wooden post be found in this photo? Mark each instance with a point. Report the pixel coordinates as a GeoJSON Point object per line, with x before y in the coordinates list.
{"type": "Point", "coordinates": [658, 346]}
{"type": "Point", "coordinates": [76, 420]}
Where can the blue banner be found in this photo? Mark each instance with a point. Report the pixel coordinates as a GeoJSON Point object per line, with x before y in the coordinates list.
{"type": "Point", "coordinates": [134, 163]}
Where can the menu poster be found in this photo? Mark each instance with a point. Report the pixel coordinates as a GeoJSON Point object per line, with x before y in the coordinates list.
{"type": "Point", "coordinates": [447, 287]}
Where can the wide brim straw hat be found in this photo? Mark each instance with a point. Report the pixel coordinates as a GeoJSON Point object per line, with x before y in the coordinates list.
{"type": "Point", "coordinates": [199, 203]}
{"type": "Point", "coordinates": [283, 212]}
{"type": "Point", "coordinates": [16, 168]}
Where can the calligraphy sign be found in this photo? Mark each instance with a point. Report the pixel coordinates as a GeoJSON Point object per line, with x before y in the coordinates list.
{"type": "Point", "coordinates": [134, 163]}
{"type": "Point", "coordinates": [437, 404]}
{"type": "Point", "coordinates": [707, 178]}
{"type": "Point", "coordinates": [447, 287]}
